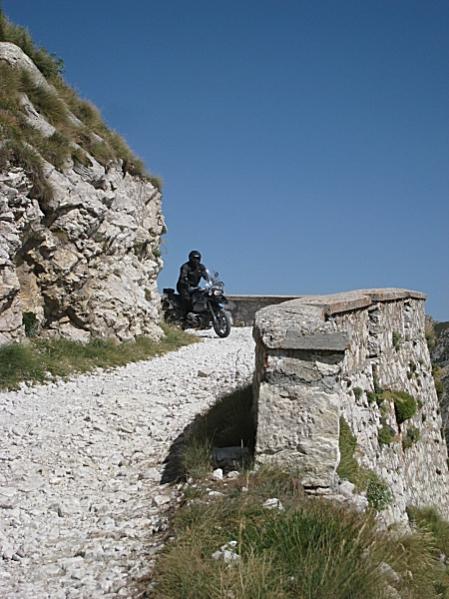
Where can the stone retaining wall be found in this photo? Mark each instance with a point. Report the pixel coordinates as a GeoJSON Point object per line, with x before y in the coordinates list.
{"type": "Point", "coordinates": [322, 358]}
{"type": "Point", "coordinates": [244, 307]}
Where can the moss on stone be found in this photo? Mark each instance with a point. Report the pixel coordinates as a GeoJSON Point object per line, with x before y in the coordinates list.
{"type": "Point", "coordinates": [397, 340]}
{"type": "Point", "coordinates": [358, 392]}
{"type": "Point", "coordinates": [411, 437]}
{"type": "Point", "coordinates": [386, 435]}
{"type": "Point", "coordinates": [405, 405]}
{"type": "Point", "coordinates": [377, 491]}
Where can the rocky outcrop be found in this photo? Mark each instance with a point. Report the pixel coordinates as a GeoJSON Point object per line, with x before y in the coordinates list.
{"type": "Point", "coordinates": [360, 358]}
{"type": "Point", "coordinates": [82, 260]}
{"type": "Point", "coordinates": [440, 359]}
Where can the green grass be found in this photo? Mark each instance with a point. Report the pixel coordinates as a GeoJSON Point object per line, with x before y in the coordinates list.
{"type": "Point", "coordinates": [34, 360]}
{"type": "Point", "coordinates": [386, 435]}
{"type": "Point", "coordinates": [396, 340]}
{"type": "Point", "coordinates": [412, 436]}
{"type": "Point", "coordinates": [311, 550]}
{"type": "Point", "coordinates": [405, 405]}
{"type": "Point", "coordinates": [377, 491]}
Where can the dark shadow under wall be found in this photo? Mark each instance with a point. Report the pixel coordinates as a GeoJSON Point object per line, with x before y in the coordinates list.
{"type": "Point", "coordinates": [228, 423]}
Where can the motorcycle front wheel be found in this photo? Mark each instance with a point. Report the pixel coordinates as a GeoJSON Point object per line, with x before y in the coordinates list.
{"type": "Point", "coordinates": [221, 323]}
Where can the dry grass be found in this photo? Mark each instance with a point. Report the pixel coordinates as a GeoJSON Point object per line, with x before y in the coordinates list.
{"type": "Point", "coordinates": [55, 105]}
{"type": "Point", "coordinates": [312, 549]}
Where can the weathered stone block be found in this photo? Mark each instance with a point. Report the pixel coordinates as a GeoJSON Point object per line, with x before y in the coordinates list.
{"type": "Point", "coordinates": [299, 427]}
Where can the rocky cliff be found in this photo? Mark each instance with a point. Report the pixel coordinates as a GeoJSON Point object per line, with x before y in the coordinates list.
{"type": "Point", "coordinates": [80, 219]}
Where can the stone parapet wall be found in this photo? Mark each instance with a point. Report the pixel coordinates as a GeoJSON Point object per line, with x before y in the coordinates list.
{"type": "Point", "coordinates": [322, 358]}
{"type": "Point", "coordinates": [244, 307]}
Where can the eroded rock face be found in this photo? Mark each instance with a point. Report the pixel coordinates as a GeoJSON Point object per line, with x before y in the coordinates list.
{"type": "Point", "coordinates": [86, 263]}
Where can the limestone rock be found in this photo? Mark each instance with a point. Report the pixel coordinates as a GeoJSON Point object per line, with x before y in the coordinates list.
{"type": "Point", "coordinates": [84, 262]}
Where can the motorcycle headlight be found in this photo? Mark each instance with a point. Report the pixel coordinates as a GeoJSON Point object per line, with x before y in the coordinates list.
{"type": "Point", "coordinates": [217, 292]}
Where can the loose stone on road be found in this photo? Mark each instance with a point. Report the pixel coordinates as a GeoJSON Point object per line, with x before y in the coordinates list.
{"type": "Point", "coordinates": [81, 505]}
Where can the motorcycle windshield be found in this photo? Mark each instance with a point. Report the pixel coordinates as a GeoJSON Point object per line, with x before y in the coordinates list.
{"type": "Point", "coordinates": [213, 279]}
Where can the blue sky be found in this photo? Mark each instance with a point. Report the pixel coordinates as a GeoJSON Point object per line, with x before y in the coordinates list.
{"type": "Point", "coordinates": [304, 145]}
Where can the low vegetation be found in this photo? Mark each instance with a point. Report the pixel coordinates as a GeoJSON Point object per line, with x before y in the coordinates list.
{"type": "Point", "coordinates": [405, 405]}
{"type": "Point", "coordinates": [310, 549]}
{"type": "Point", "coordinates": [377, 491]}
{"type": "Point", "coordinates": [397, 340]}
{"type": "Point", "coordinates": [411, 437]}
{"type": "Point", "coordinates": [26, 146]}
{"type": "Point", "coordinates": [38, 359]}
{"type": "Point", "coordinates": [386, 435]}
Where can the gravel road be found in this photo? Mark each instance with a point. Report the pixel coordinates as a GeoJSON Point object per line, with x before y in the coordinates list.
{"type": "Point", "coordinates": [82, 510]}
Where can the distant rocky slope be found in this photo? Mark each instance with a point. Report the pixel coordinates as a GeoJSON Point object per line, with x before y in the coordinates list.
{"type": "Point", "coordinates": [440, 360]}
{"type": "Point", "coordinates": [80, 218]}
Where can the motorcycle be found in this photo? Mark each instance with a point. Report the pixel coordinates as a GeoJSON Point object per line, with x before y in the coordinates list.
{"type": "Point", "coordinates": [207, 307]}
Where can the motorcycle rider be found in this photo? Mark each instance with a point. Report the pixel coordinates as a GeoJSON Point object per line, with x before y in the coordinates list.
{"type": "Point", "coordinates": [189, 277]}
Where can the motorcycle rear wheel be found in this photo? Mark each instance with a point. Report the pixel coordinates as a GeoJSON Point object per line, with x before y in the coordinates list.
{"type": "Point", "coordinates": [222, 323]}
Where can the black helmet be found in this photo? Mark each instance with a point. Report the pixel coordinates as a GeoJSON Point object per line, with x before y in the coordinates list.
{"type": "Point", "coordinates": [194, 256]}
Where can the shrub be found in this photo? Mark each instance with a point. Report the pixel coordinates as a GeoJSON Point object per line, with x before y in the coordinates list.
{"type": "Point", "coordinates": [30, 323]}
{"type": "Point", "coordinates": [396, 340]}
{"type": "Point", "coordinates": [378, 493]}
{"type": "Point", "coordinates": [430, 334]}
{"type": "Point", "coordinates": [386, 435]}
{"type": "Point", "coordinates": [358, 392]}
{"type": "Point", "coordinates": [372, 397]}
{"type": "Point", "coordinates": [364, 479]}
{"type": "Point", "coordinates": [412, 436]}
{"type": "Point", "coordinates": [405, 405]}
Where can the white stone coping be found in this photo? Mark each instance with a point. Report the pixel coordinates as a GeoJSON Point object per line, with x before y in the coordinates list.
{"type": "Point", "coordinates": [302, 323]}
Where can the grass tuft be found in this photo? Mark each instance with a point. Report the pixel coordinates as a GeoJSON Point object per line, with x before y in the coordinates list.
{"type": "Point", "coordinates": [386, 435]}
{"type": "Point", "coordinates": [35, 360]}
{"type": "Point", "coordinates": [377, 491]}
{"type": "Point", "coordinates": [412, 436]}
{"type": "Point", "coordinates": [313, 549]}
{"type": "Point", "coordinates": [55, 103]}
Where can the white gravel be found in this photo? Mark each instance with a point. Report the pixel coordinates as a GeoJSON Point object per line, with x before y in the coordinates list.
{"type": "Point", "coordinates": [81, 508]}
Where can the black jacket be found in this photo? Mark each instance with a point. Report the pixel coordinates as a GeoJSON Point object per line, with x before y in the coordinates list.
{"type": "Point", "coordinates": [190, 276]}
